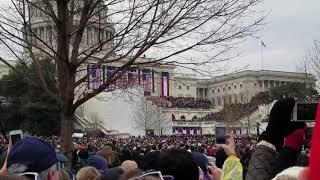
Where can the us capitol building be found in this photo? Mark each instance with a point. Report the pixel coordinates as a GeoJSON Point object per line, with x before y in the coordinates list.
{"type": "Point", "coordinates": [118, 113]}
{"type": "Point", "coordinates": [237, 87]}
{"type": "Point", "coordinates": [115, 111]}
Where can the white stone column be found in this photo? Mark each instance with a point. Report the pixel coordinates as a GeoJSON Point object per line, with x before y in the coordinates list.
{"type": "Point", "coordinates": [93, 38]}
{"type": "Point", "coordinates": [36, 34]}
{"type": "Point", "coordinates": [90, 36]}
{"type": "Point", "coordinates": [103, 38]}
{"type": "Point", "coordinates": [84, 37]}
{"type": "Point", "coordinates": [45, 36]}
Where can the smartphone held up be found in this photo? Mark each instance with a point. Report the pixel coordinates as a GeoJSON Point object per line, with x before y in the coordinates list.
{"type": "Point", "coordinates": [15, 136]}
{"type": "Point", "coordinates": [220, 134]}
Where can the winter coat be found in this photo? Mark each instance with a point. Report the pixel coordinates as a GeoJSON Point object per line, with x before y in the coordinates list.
{"type": "Point", "coordinates": [287, 157]}
{"type": "Point", "coordinates": [232, 169]}
{"type": "Point", "coordinates": [262, 165]}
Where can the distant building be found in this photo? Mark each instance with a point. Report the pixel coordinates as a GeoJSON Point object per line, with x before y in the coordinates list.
{"type": "Point", "coordinates": [238, 87]}
{"type": "Point", "coordinates": [233, 88]}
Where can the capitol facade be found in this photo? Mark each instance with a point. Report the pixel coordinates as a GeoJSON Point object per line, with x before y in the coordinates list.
{"type": "Point", "coordinates": [237, 87]}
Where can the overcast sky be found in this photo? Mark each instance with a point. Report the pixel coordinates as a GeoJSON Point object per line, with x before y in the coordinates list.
{"type": "Point", "coordinates": [293, 25]}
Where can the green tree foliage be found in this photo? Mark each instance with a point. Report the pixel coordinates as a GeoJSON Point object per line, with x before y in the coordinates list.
{"type": "Point", "coordinates": [29, 108]}
{"type": "Point", "coordinates": [296, 90]}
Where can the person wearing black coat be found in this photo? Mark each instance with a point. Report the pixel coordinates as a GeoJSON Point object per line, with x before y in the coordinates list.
{"type": "Point", "coordinates": [263, 163]}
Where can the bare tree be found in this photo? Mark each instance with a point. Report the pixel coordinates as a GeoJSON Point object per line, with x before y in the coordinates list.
{"type": "Point", "coordinates": [310, 64]}
{"type": "Point", "coordinates": [161, 121]}
{"type": "Point", "coordinates": [74, 33]}
{"type": "Point", "coordinates": [314, 58]}
{"type": "Point", "coordinates": [95, 120]}
{"type": "Point", "coordinates": [143, 115]}
{"type": "Point", "coordinates": [147, 115]}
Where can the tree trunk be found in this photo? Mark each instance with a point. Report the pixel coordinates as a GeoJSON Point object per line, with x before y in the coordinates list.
{"type": "Point", "coordinates": [67, 113]}
{"type": "Point", "coordinates": [66, 73]}
{"type": "Point", "coordinates": [66, 133]}
{"type": "Point", "coordinates": [66, 77]}
{"type": "Point", "coordinates": [66, 83]}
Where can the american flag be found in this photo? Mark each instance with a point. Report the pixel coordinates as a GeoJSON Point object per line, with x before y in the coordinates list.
{"type": "Point", "coordinates": [108, 72]}
{"type": "Point", "coordinates": [95, 78]}
{"type": "Point", "coordinates": [133, 76]}
{"type": "Point", "coordinates": [184, 131]}
{"type": "Point", "coordinates": [192, 131]}
{"type": "Point", "coordinates": [147, 81]}
{"type": "Point", "coordinates": [122, 82]}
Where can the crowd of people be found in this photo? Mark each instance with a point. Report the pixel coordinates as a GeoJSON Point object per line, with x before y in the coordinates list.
{"type": "Point", "coordinates": [232, 111]}
{"type": "Point", "coordinates": [116, 152]}
{"type": "Point", "coordinates": [314, 98]}
{"type": "Point", "coordinates": [238, 110]}
{"type": "Point", "coordinates": [274, 155]}
{"type": "Point", "coordinates": [188, 102]}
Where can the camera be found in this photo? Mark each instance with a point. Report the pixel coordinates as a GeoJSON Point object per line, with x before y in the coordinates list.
{"type": "Point", "coordinates": [305, 112]}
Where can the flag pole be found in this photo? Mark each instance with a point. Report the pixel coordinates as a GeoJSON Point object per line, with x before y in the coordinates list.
{"type": "Point", "coordinates": [261, 51]}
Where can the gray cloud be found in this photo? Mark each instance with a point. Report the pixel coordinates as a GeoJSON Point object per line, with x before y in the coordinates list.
{"type": "Point", "coordinates": [293, 27]}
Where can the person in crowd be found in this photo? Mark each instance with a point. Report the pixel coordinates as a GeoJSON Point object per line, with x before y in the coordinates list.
{"type": "Point", "coordinates": [109, 155]}
{"type": "Point", "coordinates": [149, 161]}
{"type": "Point", "coordinates": [131, 174]}
{"type": "Point", "coordinates": [129, 166]}
{"type": "Point", "coordinates": [116, 172]}
{"type": "Point", "coordinates": [293, 173]}
{"type": "Point", "coordinates": [82, 158]}
{"type": "Point", "coordinates": [88, 173]}
{"type": "Point", "coordinates": [292, 147]}
{"type": "Point", "coordinates": [98, 162]}
{"type": "Point", "coordinates": [125, 154]}
{"type": "Point", "coordinates": [63, 175]}
{"type": "Point", "coordinates": [113, 173]}
{"type": "Point", "coordinates": [203, 163]}
{"type": "Point", "coordinates": [211, 151]}
{"type": "Point", "coordinates": [179, 164]}
{"type": "Point", "coordinates": [263, 164]}
{"type": "Point", "coordinates": [71, 173]}
{"type": "Point", "coordinates": [139, 175]}
{"type": "Point", "coordinates": [221, 156]}
{"type": "Point", "coordinates": [232, 167]}
{"type": "Point", "coordinates": [33, 156]}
